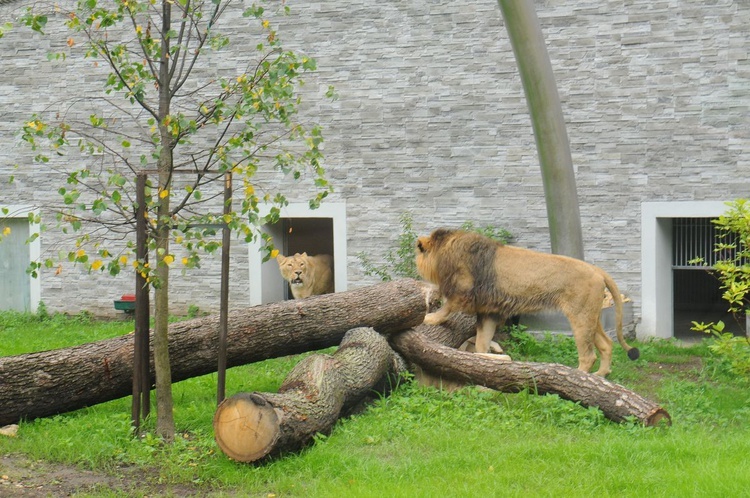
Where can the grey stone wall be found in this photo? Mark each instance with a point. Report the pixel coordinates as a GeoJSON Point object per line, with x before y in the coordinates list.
{"type": "Point", "coordinates": [431, 119]}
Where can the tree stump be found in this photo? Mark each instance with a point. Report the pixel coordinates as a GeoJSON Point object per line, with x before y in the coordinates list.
{"type": "Point", "coordinates": [319, 390]}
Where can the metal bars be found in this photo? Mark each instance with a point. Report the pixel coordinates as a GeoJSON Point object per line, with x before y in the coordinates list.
{"type": "Point", "coordinates": [694, 238]}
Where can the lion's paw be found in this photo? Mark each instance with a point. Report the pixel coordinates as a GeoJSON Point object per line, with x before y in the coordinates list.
{"type": "Point", "coordinates": [495, 348]}
{"type": "Point", "coordinates": [470, 346]}
{"type": "Point", "coordinates": [497, 357]}
{"type": "Point", "coordinates": [433, 319]}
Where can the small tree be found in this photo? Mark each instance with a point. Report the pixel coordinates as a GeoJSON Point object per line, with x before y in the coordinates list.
{"type": "Point", "coordinates": [732, 264]}
{"type": "Point", "coordinates": [163, 111]}
{"type": "Point", "coordinates": [732, 268]}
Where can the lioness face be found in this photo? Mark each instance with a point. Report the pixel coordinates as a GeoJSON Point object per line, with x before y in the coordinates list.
{"type": "Point", "coordinates": [293, 268]}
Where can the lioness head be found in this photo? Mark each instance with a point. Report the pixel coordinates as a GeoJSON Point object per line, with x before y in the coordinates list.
{"type": "Point", "coordinates": [293, 268]}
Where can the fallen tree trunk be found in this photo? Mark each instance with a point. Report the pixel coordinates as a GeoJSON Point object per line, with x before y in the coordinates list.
{"type": "Point", "coordinates": [252, 426]}
{"type": "Point", "coordinates": [615, 401]}
{"type": "Point", "coordinates": [319, 390]}
{"type": "Point", "coordinates": [50, 382]}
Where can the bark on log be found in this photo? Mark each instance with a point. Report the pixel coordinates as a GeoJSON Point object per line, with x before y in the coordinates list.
{"type": "Point", "coordinates": [319, 390]}
{"type": "Point", "coordinates": [615, 401]}
{"type": "Point", "coordinates": [50, 382]}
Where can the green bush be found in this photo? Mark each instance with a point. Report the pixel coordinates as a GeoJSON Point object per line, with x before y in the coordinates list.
{"type": "Point", "coordinates": [400, 260]}
{"type": "Point", "coordinates": [731, 351]}
{"type": "Point", "coordinates": [733, 272]}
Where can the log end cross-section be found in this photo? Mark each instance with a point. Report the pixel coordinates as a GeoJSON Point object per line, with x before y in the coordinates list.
{"type": "Point", "coordinates": [245, 427]}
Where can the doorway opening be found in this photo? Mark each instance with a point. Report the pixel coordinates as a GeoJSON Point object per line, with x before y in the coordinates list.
{"type": "Point", "coordinates": [697, 291]}
{"type": "Point", "coordinates": [19, 291]}
{"type": "Point", "coordinates": [660, 268]}
{"type": "Point", "coordinates": [313, 236]}
{"type": "Point", "coordinates": [300, 229]}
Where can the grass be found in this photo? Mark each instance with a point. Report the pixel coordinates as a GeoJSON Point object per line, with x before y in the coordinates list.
{"type": "Point", "coordinates": [421, 442]}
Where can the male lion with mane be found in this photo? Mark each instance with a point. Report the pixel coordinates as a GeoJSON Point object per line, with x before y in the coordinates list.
{"type": "Point", "coordinates": [307, 275]}
{"type": "Point", "coordinates": [478, 275]}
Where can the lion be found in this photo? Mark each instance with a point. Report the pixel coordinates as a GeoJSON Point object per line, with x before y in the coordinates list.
{"type": "Point", "coordinates": [307, 275]}
{"type": "Point", "coordinates": [480, 276]}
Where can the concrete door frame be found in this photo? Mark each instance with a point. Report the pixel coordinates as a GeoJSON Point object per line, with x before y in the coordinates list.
{"type": "Point", "coordinates": [657, 294]}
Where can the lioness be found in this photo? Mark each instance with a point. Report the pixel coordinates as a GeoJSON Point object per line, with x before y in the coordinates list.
{"type": "Point", "coordinates": [478, 275]}
{"type": "Point", "coordinates": [307, 275]}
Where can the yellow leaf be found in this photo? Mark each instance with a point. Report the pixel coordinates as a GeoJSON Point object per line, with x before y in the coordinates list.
{"type": "Point", "coordinates": [6, 231]}
{"type": "Point", "coordinates": [178, 239]}
{"type": "Point", "coordinates": [266, 23]}
{"type": "Point", "coordinates": [227, 218]}
{"type": "Point", "coordinates": [123, 260]}
{"type": "Point", "coordinates": [163, 194]}
{"type": "Point", "coordinates": [274, 253]}
{"type": "Point", "coordinates": [169, 259]}
{"type": "Point", "coordinates": [80, 253]}
{"type": "Point", "coordinates": [185, 261]}
{"type": "Point", "coordinates": [96, 264]}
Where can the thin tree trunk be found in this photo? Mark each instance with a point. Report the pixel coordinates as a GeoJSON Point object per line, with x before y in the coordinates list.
{"type": "Point", "coordinates": [552, 143]}
{"type": "Point", "coordinates": [50, 382]}
{"type": "Point", "coordinates": [165, 426]}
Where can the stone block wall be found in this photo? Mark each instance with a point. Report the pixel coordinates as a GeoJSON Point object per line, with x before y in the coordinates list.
{"type": "Point", "coordinates": [431, 118]}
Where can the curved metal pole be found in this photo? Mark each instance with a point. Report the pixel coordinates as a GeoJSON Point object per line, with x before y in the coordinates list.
{"type": "Point", "coordinates": [552, 144]}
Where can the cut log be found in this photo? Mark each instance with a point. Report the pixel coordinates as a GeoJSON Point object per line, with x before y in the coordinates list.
{"type": "Point", "coordinates": [252, 426]}
{"type": "Point", "coordinates": [615, 401]}
{"type": "Point", "coordinates": [50, 382]}
{"type": "Point", "coordinates": [319, 390]}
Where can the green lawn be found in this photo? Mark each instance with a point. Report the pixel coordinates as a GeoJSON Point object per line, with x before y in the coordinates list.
{"type": "Point", "coordinates": [419, 442]}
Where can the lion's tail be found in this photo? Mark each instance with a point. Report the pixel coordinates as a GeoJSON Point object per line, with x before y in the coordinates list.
{"type": "Point", "coordinates": [633, 353]}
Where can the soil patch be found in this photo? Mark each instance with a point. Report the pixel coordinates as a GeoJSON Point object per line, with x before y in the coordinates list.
{"type": "Point", "coordinates": [21, 476]}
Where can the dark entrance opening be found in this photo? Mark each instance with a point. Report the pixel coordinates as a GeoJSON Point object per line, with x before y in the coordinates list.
{"type": "Point", "coordinates": [311, 235]}
{"type": "Point", "coordinates": [696, 290]}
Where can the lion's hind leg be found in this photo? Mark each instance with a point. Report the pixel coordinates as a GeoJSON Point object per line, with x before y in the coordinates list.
{"type": "Point", "coordinates": [486, 328]}
{"type": "Point", "coordinates": [604, 344]}
{"type": "Point", "coordinates": [584, 335]}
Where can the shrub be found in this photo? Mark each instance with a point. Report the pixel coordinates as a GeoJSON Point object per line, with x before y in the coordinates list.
{"type": "Point", "coordinates": [733, 271]}
{"type": "Point", "coordinates": [400, 260]}
{"type": "Point", "coordinates": [732, 352]}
